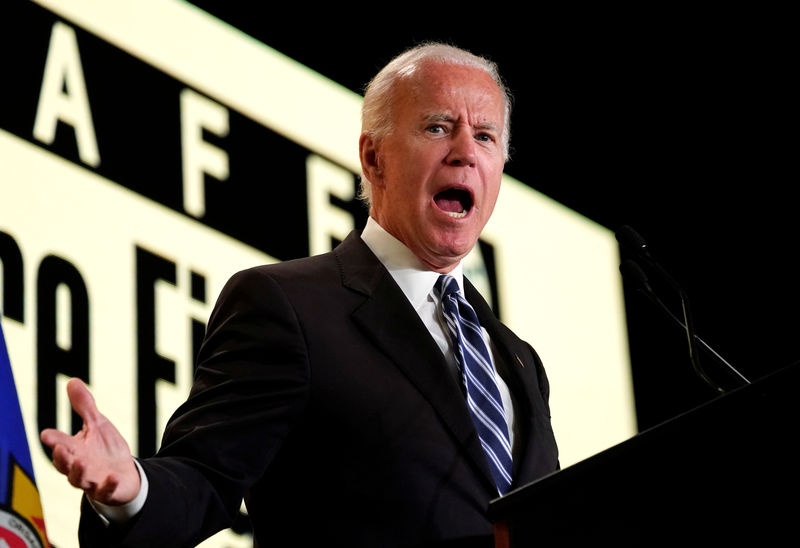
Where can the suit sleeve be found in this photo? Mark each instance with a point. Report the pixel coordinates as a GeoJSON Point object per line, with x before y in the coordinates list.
{"type": "Point", "coordinates": [250, 387]}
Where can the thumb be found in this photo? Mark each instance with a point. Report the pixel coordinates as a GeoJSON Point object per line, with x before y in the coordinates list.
{"type": "Point", "coordinates": [82, 401]}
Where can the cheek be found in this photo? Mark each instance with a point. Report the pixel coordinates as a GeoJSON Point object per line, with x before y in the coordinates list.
{"type": "Point", "coordinates": [495, 178]}
{"type": "Point", "coordinates": [407, 185]}
{"type": "Point", "coordinates": [489, 202]}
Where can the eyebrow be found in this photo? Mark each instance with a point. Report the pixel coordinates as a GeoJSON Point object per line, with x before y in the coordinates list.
{"type": "Point", "coordinates": [439, 117]}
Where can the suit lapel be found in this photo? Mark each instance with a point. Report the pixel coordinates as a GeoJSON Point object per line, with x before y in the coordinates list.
{"type": "Point", "coordinates": [403, 337]}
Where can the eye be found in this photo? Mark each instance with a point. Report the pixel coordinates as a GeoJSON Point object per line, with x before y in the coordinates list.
{"type": "Point", "coordinates": [435, 128]}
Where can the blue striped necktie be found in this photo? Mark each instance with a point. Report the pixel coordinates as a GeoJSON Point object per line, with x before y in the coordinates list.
{"type": "Point", "coordinates": [483, 396]}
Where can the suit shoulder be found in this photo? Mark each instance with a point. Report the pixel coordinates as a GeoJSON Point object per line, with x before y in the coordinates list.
{"type": "Point", "coordinates": [304, 268]}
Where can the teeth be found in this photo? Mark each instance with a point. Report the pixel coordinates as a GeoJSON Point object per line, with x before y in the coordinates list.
{"type": "Point", "coordinates": [455, 215]}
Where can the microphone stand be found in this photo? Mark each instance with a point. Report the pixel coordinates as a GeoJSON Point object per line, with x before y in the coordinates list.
{"type": "Point", "coordinates": [631, 270]}
{"type": "Point", "coordinates": [631, 239]}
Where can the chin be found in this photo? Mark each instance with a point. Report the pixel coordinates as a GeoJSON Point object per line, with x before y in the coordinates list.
{"type": "Point", "coordinates": [455, 250]}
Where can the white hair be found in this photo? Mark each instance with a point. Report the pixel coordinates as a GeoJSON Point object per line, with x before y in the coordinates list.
{"type": "Point", "coordinates": [376, 111]}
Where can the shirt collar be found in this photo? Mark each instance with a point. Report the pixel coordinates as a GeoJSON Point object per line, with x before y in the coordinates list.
{"type": "Point", "coordinates": [415, 279]}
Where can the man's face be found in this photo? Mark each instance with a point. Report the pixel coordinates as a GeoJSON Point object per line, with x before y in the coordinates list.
{"type": "Point", "coordinates": [436, 177]}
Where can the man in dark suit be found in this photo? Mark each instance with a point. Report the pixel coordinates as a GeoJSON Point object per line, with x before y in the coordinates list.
{"type": "Point", "coordinates": [329, 393]}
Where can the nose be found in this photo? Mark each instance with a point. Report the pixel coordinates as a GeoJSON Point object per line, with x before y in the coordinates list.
{"type": "Point", "coordinates": [462, 149]}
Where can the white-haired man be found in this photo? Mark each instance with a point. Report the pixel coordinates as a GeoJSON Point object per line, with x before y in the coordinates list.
{"type": "Point", "coordinates": [335, 394]}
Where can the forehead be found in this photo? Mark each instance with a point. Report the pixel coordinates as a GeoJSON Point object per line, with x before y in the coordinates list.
{"type": "Point", "coordinates": [456, 90]}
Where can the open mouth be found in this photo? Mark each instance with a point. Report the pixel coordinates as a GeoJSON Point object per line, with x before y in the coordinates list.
{"type": "Point", "coordinates": [455, 202]}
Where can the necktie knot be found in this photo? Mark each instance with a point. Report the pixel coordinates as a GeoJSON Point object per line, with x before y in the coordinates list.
{"type": "Point", "coordinates": [445, 286]}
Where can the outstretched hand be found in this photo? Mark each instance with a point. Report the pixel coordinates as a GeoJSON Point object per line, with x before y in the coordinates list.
{"type": "Point", "coordinates": [97, 459]}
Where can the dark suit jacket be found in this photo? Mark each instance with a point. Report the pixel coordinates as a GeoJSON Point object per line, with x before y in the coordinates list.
{"type": "Point", "coordinates": [321, 398]}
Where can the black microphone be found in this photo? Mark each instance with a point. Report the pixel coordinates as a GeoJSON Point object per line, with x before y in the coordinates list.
{"type": "Point", "coordinates": [631, 240]}
{"type": "Point", "coordinates": [632, 271]}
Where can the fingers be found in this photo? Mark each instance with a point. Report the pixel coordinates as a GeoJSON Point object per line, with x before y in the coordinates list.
{"type": "Point", "coordinates": [65, 462]}
{"type": "Point", "coordinates": [77, 476]}
{"type": "Point", "coordinates": [62, 459]}
{"type": "Point", "coordinates": [82, 401]}
{"type": "Point", "coordinates": [73, 468]}
{"type": "Point", "coordinates": [105, 492]}
{"type": "Point", "coordinates": [80, 475]}
{"type": "Point", "coordinates": [52, 437]}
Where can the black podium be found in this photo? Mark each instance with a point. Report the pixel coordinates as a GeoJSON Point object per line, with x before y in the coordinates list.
{"type": "Point", "coordinates": [727, 471]}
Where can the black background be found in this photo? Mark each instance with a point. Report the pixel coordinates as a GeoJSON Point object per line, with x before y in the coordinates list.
{"type": "Point", "coordinates": [675, 122]}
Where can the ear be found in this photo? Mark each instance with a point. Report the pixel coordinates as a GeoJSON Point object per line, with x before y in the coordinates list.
{"type": "Point", "coordinates": [370, 160]}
